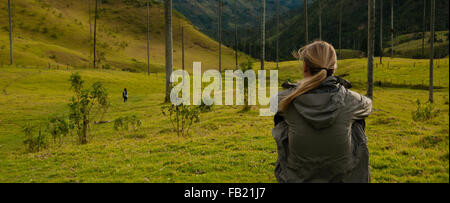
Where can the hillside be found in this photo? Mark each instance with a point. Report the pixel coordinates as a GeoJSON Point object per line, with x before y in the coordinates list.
{"type": "Point", "coordinates": [408, 19]}
{"type": "Point", "coordinates": [56, 32]}
{"type": "Point", "coordinates": [204, 15]}
{"type": "Point", "coordinates": [410, 45]}
{"type": "Point", "coordinates": [226, 146]}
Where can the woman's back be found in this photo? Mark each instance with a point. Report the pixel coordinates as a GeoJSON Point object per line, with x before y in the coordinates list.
{"type": "Point", "coordinates": [319, 125]}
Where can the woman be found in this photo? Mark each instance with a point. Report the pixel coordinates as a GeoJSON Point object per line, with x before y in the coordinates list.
{"type": "Point", "coordinates": [125, 95]}
{"type": "Point", "coordinates": [319, 136]}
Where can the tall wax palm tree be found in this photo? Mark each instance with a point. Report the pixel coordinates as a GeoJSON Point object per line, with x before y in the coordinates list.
{"type": "Point", "coordinates": [305, 13]}
{"type": "Point", "coordinates": [340, 28]}
{"type": "Point", "coordinates": [381, 32]}
{"type": "Point", "coordinates": [278, 33]}
{"type": "Point", "coordinates": [432, 28]}
{"type": "Point", "coordinates": [320, 19]}
{"type": "Point", "coordinates": [370, 47]}
{"type": "Point", "coordinates": [10, 34]}
{"type": "Point", "coordinates": [424, 26]}
{"type": "Point", "coordinates": [95, 33]}
{"type": "Point", "coordinates": [148, 37]}
{"type": "Point", "coordinates": [220, 35]}
{"type": "Point", "coordinates": [169, 46]}
{"type": "Point", "coordinates": [392, 28]}
{"type": "Point", "coordinates": [236, 35]}
{"type": "Point", "coordinates": [263, 33]}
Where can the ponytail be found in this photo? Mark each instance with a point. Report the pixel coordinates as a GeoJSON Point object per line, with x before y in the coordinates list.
{"type": "Point", "coordinates": [304, 86]}
{"type": "Point", "coordinates": [320, 57]}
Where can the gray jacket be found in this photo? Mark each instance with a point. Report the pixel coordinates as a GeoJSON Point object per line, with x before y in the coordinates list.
{"type": "Point", "coordinates": [321, 136]}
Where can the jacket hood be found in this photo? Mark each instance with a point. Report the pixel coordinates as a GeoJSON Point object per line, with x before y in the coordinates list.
{"type": "Point", "coordinates": [321, 107]}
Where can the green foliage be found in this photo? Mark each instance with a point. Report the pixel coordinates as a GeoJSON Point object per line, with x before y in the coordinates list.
{"type": "Point", "coordinates": [58, 127]}
{"type": "Point", "coordinates": [244, 67]}
{"type": "Point", "coordinates": [123, 124]}
{"type": "Point", "coordinates": [182, 117]}
{"type": "Point", "coordinates": [424, 112]}
{"type": "Point", "coordinates": [34, 142]}
{"type": "Point", "coordinates": [248, 65]}
{"type": "Point", "coordinates": [205, 108]}
{"type": "Point", "coordinates": [83, 102]}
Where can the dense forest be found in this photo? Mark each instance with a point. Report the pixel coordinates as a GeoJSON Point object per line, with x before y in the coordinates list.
{"type": "Point", "coordinates": [203, 14]}
{"type": "Point", "coordinates": [354, 25]}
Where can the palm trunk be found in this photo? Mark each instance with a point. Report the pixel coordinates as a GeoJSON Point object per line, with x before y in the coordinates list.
{"type": "Point", "coordinates": [370, 48]}
{"type": "Point", "coordinates": [340, 29]}
{"type": "Point", "coordinates": [305, 12]}
{"type": "Point", "coordinates": [10, 34]}
{"type": "Point", "coordinates": [320, 19]}
{"type": "Point", "coordinates": [182, 47]}
{"type": "Point", "coordinates": [95, 33]}
{"type": "Point", "coordinates": [90, 28]}
{"type": "Point", "coordinates": [263, 33]}
{"type": "Point", "coordinates": [381, 32]}
{"type": "Point", "coordinates": [148, 37]}
{"type": "Point", "coordinates": [169, 46]}
{"type": "Point", "coordinates": [432, 22]}
{"type": "Point", "coordinates": [392, 28]}
{"type": "Point", "coordinates": [220, 35]}
{"type": "Point", "coordinates": [424, 26]}
{"type": "Point", "coordinates": [278, 33]}
{"type": "Point", "coordinates": [235, 34]}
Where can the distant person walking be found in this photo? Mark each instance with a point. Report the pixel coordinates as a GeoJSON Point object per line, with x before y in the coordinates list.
{"type": "Point", "coordinates": [125, 95]}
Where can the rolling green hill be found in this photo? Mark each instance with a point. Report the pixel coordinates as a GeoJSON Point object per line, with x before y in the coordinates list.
{"type": "Point", "coordinates": [226, 146]}
{"type": "Point", "coordinates": [410, 45]}
{"type": "Point", "coordinates": [204, 15]}
{"type": "Point", "coordinates": [56, 32]}
{"type": "Point", "coordinates": [408, 19]}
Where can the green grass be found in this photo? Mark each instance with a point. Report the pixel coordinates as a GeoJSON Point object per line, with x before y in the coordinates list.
{"type": "Point", "coordinates": [410, 45]}
{"type": "Point", "coordinates": [56, 33]}
{"type": "Point", "coordinates": [226, 146]}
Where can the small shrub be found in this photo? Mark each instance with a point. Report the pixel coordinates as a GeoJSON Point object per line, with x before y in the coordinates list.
{"type": "Point", "coordinates": [123, 124]}
{"type": "Point", "coordinates": [135, 122]}
{"type": "Point", "coordinates": [83, 103]}
{"type": "Point", "coordinates": [424, 112]}
{"type": "Point", "coordinates": [245, 67]}
{"type": "Point", "coordinates": [205, 108]}
{"type": "Point", "coordinates": [59, 128]}
{"type": "Point", "coordinates": [182, 117]}
{"type": "Point", "coordinates": [33, 142]}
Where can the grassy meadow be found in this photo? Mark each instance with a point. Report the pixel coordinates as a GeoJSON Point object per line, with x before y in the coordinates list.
{"type": "Point", "coordinates": [226, 146]}
{"type": "Point", "coordinates": [52, 41]}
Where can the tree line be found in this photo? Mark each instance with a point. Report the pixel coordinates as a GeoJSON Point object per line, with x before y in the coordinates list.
{"type": "Point", "coordinates": [168, 7]}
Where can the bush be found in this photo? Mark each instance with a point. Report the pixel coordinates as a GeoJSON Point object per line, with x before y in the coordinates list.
{"type": "Point", "coordinates": [83, 102]}
{"type": "Point", "coordinates": [123, 124]}
{"type": "Point", "coordinates": [205, 108]}
{"type": "Point", "coordinates": [58, 127]}
{"type": "Point", "coordinates": [245, 67]}
{"type": "Point", "coordinates": [182, 117]}
{"type": "Point", "coordinates": [424, 112]}
{"type": "Point", "coordinates": [33, 142]}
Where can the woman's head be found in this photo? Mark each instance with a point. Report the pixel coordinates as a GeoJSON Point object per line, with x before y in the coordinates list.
{"type": "Point", "coordinates": [319, 62]}
{"type": "Point", "coordinates": [316, 57]}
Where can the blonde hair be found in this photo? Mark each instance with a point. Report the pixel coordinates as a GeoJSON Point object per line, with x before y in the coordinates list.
{"type": "Point", "coordinates": [320, 58]}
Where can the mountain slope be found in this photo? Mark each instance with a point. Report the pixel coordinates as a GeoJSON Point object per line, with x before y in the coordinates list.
{"type": "Point", "coordinates": [204, 14]}
{"type": "Point", "coordinates": [408, 19]}
{"type": "Point", "coordinates": [56, 32]}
